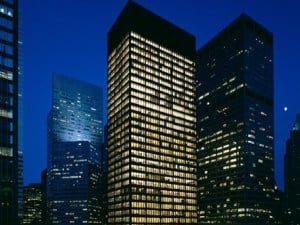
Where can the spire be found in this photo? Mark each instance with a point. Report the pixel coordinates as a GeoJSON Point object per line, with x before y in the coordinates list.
{"type": "Point", "coordinates": [297, 123]}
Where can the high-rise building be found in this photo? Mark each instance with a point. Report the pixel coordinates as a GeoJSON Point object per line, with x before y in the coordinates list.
{"type": "Point", "coordinates": [235, 125]}
{"type": "Point", "coordinates": [292, 176]}
{"type": "Point", "coordinates": [74, 142]}
{"type": "Point", "coordinates": [9, 112]}
{"type": "Point", "coordinates": [151, 121]}
{"type": "Point", "coordinates": [32, 204]}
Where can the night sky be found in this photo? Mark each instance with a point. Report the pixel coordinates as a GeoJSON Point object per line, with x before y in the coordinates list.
{"type": "Point", "coordinates": [70, 37]}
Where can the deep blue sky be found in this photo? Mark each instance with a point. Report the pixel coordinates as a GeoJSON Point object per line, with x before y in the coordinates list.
{"type": "Point", "coordinates": [69, 37]}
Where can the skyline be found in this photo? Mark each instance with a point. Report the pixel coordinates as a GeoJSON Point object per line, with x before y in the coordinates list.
{"type": "Point", "coordinates": [90, 48]}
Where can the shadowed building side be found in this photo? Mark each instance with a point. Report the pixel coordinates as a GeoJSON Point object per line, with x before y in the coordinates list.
{"type": "Point", "coordinates": [292, 176]}
{"type": "Point", "coordinates": [235, 125]}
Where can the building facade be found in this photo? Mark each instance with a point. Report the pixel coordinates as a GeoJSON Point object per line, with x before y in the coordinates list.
{"type": "Point", "coordinates": [292, 176]}
{"type": "Point", "coordinates": [32, 204]}
{"type": "Point", "coordinates": [9, 112]}
{"type": "Point", "coordinates": [74, 142]}
{"type": "Point", "coordinates": [151, 121]}
{"type": "Point", "coordinates": [235, 125]}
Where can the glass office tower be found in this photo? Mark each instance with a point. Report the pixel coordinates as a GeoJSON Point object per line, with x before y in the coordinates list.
{"type": "Point", "coordinates": [74, 142]}
{"type": "Point", "coordinates": [32, 204]}
{"type": "Point", "coordinates": [292, 176]}
{"type": "Point", "coordinates": [9, 112]}
{"type": "Point", "coordinates": [151, 121]}
{"type": "Point", "coordinates": [235, 125]}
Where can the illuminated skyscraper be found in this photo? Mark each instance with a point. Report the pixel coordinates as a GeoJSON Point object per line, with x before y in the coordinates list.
{"type": "Point", "coordinates": [151, 121]}
{"type": "Point", "coordinates": [74, 142]}
{"type": "Point", "coordinates": [9, 113]}
{"type": "Point", "coordinates": [32, 204]}
{"type": "Point", "coordinates": [235, 125]}
{"type": "Point", "coordinates": [292, 176]}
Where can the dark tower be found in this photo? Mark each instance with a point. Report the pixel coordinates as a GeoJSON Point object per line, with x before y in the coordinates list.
{"type": "Point", "coordinates": [235, 125]}
{"type": "Point", "coordinates": [9, 113]}
{"type": "Point", "coordinates": [292, 176]}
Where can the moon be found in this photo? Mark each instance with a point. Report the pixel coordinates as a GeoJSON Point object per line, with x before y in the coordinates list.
{"type": "Point", "coordinates": [285, 109]}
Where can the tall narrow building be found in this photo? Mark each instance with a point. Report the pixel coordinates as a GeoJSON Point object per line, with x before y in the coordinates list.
{"type": "Point", "coordinates": [32, 204]}
{"type": "Point", "coordinates": [151, 121]}
{"type": "Point", "coordinates": [74, 142]}
{"type": "Point", "coordinates": [9, 112]}
{"type": "Point", "coordinates": [235, 125]}
{"type": "Point", "coordinates": [292, 176]}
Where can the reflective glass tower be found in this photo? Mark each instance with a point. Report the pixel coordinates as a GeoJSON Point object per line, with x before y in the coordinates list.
{"type": "Point", "coordinates": [151, 121]}
{"type": "Point", "coordinates": [292, 176]}
{"type": "Point", "coordinates": [235, 125]}
{"type": "Point", "coordinates": [74, 142]}
{"type": "Point", "coordinates": [9, 112]}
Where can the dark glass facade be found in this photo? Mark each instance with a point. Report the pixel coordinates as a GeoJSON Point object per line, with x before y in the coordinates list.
{"type": "Point", "coordinates": [235, 125]}
{"type": "Point", "coordinates": [151, 121]}
{"type": "Point", "coordinates": [74, 142]}
{"type": "Point", "coordinates": [292, 176]}
{"type": "Point", "coordinates": [9, 112]}
{"type": "Point", "coordinates": [32, 204]}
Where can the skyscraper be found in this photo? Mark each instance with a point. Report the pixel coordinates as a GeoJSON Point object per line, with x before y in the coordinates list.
{"type": "Point", "coordinates": [235, 125]}
{"type": "Point", "coordinates": [32, 204]}
{"type": "Point", "coordinates": [292, 176]}
{"type": "Point", "coordinates": [74, 142]}
{"type": "Point", "coordinates": [151, 121]}
{"type": "Point", "coordinates": [9, 112]}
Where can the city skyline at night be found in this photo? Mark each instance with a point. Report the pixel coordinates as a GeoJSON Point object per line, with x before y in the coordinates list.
{"type": "Point", "coordinates": [204, 21]}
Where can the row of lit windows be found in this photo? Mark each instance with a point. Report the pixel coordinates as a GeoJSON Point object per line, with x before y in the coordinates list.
{"type": "Point", "coordinates": [180, 59]}
{"type": "Point", "coordinates": [141, 77]}
{"type": "Point", "coordinates": [162, 126]}
{"type": "Point", "coordinates": [151, 116]}
{"type": "Point", "coordinates": [179, 75]}
{"type": "Point", "coordinates": [161, 82]}
{"type": "Point", "coordinates": [156, 173]}
{"type": "Point", "coordinates": [178, 184]}
{"type": "Point", "coordinates": [177, 111]}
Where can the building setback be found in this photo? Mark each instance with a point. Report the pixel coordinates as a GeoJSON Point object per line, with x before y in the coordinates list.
{"type": "Point", "coordinates": [32, 204]}
{"type": "Point", "coordinates": [151, 121]}
{"type": "Point", "coordinates": [9, 113]}
{"type": "Point", "coordinates": [292, 176]}
{"type": "Point", "coordinates": [235, 125]}
{"type": "Point", "coordinates": [74, 142]}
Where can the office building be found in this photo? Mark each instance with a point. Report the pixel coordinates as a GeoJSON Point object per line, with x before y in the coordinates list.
{"type": "Point", "coordinates": [151, 121]}
{"type": "Point", "coordinates": [74, 142]}
{"type": "Point", "coordinates": [9, 112]}
{"type": "Point", "coordinates": [235, 125]}
{"type": "Point", "coordinates": [292, 176]}
{"type": "Point", "coordinates": [32, 204]}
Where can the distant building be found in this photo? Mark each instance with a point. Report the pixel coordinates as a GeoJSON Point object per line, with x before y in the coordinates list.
{"type": "Point", "coordinates": [74, 144]}
{"type": "Point", "coordinates": [292, 176]}
{"type": "Point", "coordinates": [10, 111]}
{"type": "Point", "coordinates": [20, 185]}
{"type": "Point", "coordinates": [235, 125]}
{"type": "Point", "coordinates": [278, 207]}
{"type": "Point", "coordinates": [151, 121]}
{"type": "Point", "coordinates": [32, 204]}
{"type": "Point", "coordinates": [44, 196]}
